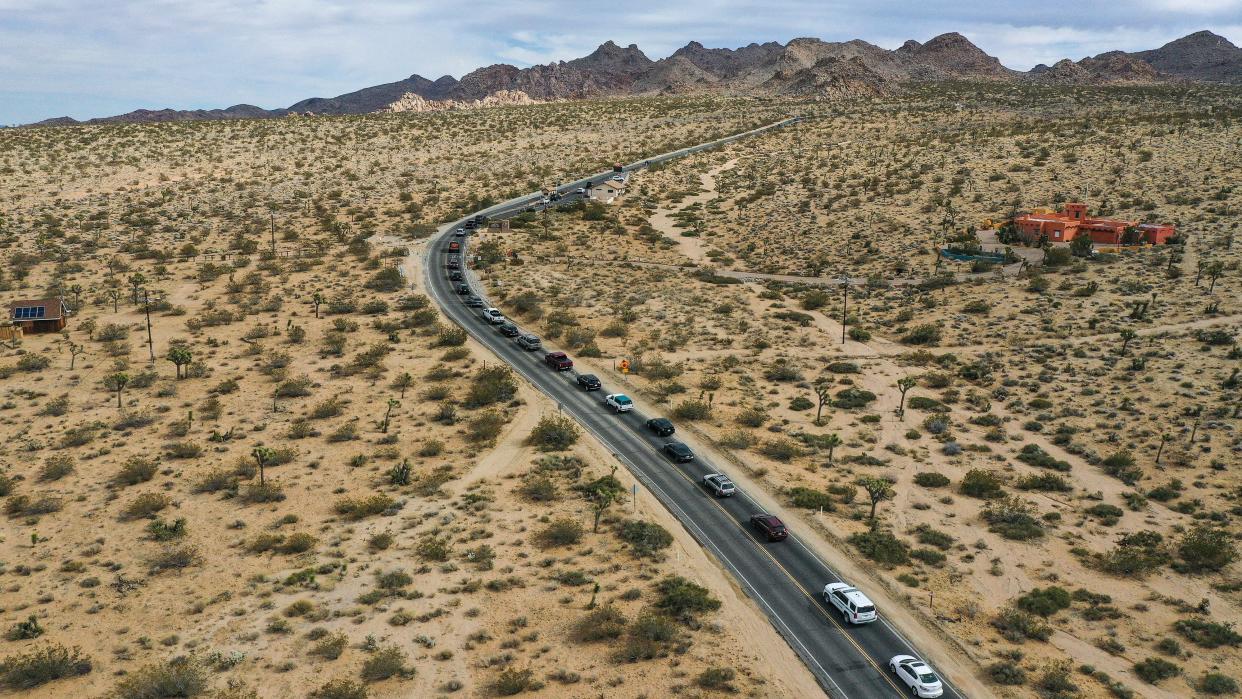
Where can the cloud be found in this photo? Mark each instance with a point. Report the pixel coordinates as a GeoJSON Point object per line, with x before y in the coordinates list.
{"type": "Point", "coordinates": [78, 57]}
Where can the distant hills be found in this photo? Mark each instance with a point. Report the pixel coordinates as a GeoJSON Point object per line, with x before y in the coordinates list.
{"type": "Point", "coordinates": [803, 67]}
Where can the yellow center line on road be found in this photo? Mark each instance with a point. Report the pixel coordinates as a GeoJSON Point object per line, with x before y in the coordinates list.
{"type": "Point", "coordinates": [832, 619]}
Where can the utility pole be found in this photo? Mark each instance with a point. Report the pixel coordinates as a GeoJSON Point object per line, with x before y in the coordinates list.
{"type": "Point", "coordinates": [272, 216]}
{"type": "Point", "coordinates": [146, 305]}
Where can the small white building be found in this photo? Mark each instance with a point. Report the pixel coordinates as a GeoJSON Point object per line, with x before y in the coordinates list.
{"type": "Point", "coordinates": [606, 191]}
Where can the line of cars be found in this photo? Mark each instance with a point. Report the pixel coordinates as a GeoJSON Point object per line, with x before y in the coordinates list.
{"type": "Point", "coordinates": [853, 605]}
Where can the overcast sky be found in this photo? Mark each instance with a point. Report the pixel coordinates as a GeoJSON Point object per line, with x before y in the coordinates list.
{"type": "Point", "coordinates": [85, 58]}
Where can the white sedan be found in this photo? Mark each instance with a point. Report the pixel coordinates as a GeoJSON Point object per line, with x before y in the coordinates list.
{"type": "Point", "coordinates": [917, 676]}
{"type": "Point", "coordinates": [619, 402]}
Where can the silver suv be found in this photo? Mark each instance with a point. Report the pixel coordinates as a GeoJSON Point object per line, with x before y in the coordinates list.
{"type": "Point", "coordinates": [529, 343]}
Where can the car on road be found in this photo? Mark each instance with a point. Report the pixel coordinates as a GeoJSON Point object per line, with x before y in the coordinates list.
{"type": "Point", "coordinates": [493, 315]}
{"type": "Point", "coordinates": [454, 246]}
{"type": "Point", "coordinates": [589, 382]}
{"type": "Point", "coordinates": [770, 526]}
{"type": "Point", "coordinates": [463, 288]}
{"type": "Point", "coordinates": [854, 606]}
{"type": "Point", "coordinates": [619, 402]}
{"type": "Point", "coordinates": [678, 452]}
{"type": "Point", "coordinates": [662, 426]}
{"type": "Point", "coordinates": [719, 484]}
{"type": "Point", "coordinates": [453, 263]}
{"type": "Point", "coordinates": [558, 360]}
{"type": "Point", "coordinates": [459, 231]}
{"type": "Point", "coordinates": [455, 275]}
{"type": "Point", "coordinates": [474, 302]}
{"type": "Point", "coordinates": [509, 329]}
{"type": "Point", "coordinates": [618, 178]}
{"type": "Point", "coordinates": [530, 343]}
{"type": "Point", "coordinates": [917, 676]}
{"type": "Point", "coordinates": [580, 190]}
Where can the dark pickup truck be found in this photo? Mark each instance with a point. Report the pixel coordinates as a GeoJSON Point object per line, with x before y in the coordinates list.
{"type": "Point", "coordinates": [559, 361]}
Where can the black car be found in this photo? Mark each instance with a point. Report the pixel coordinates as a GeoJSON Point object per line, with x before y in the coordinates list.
{"type": "Point", "coordinates": [589, 382]}
{"type": "Point", "coordinates": [508, 329]}
{"type": "Point", "coordinates": [455, 275]}
{"type": "Point", "coordinates": [662, 426]}
{"type": "Point", "coordinates": [463, 288]}
{"type": "Point", "coordinates": [678, 452]}
{"type": "Point", "coordinates": [474, 302]}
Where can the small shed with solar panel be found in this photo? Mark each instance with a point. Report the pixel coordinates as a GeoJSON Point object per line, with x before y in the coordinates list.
{"type": "Point", "coordinates": [38, 316]}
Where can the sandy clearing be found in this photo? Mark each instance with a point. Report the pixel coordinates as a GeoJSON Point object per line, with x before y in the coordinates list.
{"type": "Point", "coordinates": [693, 247]}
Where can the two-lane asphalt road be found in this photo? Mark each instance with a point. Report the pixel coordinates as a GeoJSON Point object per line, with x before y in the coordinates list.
{"type": "Point", "coordinates": [785, 578]}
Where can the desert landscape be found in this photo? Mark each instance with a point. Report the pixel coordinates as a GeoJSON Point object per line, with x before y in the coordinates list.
{"type": "Point", "coordinates": [258, 460]}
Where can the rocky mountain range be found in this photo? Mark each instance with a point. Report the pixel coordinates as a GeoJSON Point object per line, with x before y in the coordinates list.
{"type": "Point", "coordinates": [803, 67]}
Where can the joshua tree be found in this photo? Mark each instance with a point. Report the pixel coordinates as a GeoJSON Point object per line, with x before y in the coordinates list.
{"type": "Point", "coordinates": [117, 382]}
{"type": "Point", "coordinates": [317, 300]}
{"type": "Point", "coordinates": [1160, 450]}
{"type": "Point", "coordinates": [822, 392]}
{"type": "Point", "coordinates": [403, 382]}
{"type": "Point", "coordinates": [1126, 335]}
{"type": "Point", "coordinates": [904, 384]}
{"type": "Point", "coordinates": [383, 425]}
{"type": "Point", "coordinates": [1214, 271]}
{"type": "Point", "coordinates": [832, 441]}
{"type": "Point", "coordinates": [180, 355]}
{"type": "Point", "coordinates": [136, 280]}
{"type": "Point", "coordinates": [878, 489]}
{"type": "Point", "coordinates": [263, 456]}
{"type": "Point", "coordinates": [76, 290]}
{"type": "Point", "coordinates": [74, 350]}
{"type": "Point", "coordinates": [114, 294]}
{"type": "Point", "coordinates": [89, 326]}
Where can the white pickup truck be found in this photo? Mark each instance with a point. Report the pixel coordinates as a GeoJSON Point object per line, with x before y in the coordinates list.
{"type": "Point", "coordinates": [619, 402]}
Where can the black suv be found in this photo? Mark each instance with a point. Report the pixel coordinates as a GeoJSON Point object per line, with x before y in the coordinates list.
{"type": "Point", "coordinates": [455, 275]}
{"type": "Point", "coordinates": [662, 426]}
{"type": "Point", "coordinates": [589, 382]}
{"type": "Point", "coordinates": [463, 289]}
{"type": "Point", "coordinates": [678, 452]}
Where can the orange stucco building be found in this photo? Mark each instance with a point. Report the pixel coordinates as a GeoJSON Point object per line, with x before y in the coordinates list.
{"type": "Point", "coordinates": [1072, 221]}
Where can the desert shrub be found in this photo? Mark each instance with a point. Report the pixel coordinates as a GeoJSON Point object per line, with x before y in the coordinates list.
{"type": "Point", "coordinates": [1034, 455]}
{"type": "Point", "coordinates": [386, 662]}
{"type": "Point", "coordinates": [56, 467]}
{"type": "Point", "coordinates": [929, 556]}
{"type": "Point", "coordinates": [1017, 626]}
{"type": "Point", "coordinates": [926, 404]}
{"type": "Point", "coordinates": [1044, 601]}
{"type": "Point", "coordinates": [32, 505]}
{"type": "Point", "coordinates": [1044, 482]}
{"type": "Point", "coordinates": [267, 491]}
{"type": "Point", "coordinates": [648, 636]}
{"type": "Point", "coordinates": [925, 534]}
{"type": "Point", "coordinates": [978, 483]}
{"type": "Point", "coordinates": [145, 505]}
{"type": "Point", "coordinates": [512, 681]}
{"type": "Point", "coordinates": [1121, 466]}
{"type": "Point", "coordinates": [359, 508]}
{"type": "Point", "coordinates": [754, 417]}
{"type": "Point", "coordinates": [6, 484]}
{"type": "Point", "coordinates": [493, 384]}
{"type": "Point", "coordinates": [927, 334]}
{"type": "Point", "coordinates": [717, 678]}
{"type": "Point", "coordinates": [450, 337]}
{"type": "Point", "coordinates": [42, 665]}
{"type": "Point", "coordinates": [1207, 634]}
{"type": "Point", "coordinates": [175, 558]}
{"type": "Point", "coordinates": [394, 579]}
{"type": "Point", "coordinates": [692, 410]}
{"type": "Point", "coordinates": [881, 547]}
{"type": "Point", "coordinates": [135, 470]}
{"type": "Point", "coordinates": [683, 599]}
{"type": "Point", "coordinates": [931, 479]}
{"type": "Point", "coordinates": [161, 530]}
{"type": "Point", "coordinates": [298, 542]}
{"type": "Point", "coordinates": [341, 689]}
{"type": "Point", "coordinates": [184, 450]}
{"type": "Point", "coordinates": [538, 488]}
{"type": "Point", "coordinates": [1215, 683]}
{"type": "Point", "coordinates": [602, 624]}
{"type": "Point", "coordinates": [782, 450]}
{"type": "Point", "coordinates": [810, 498]}
{"type": "Point", "coordinates": [387, 279]}
{"type": "Point", "coordinates": [1007, 673]}
{"type": "Point", "coordinates": [480, 429]}
{"type": "Point", "coordinates": [1011, 518]}
{"type": "Point", "coordinates": [853, 397]}
{"type": "Point", "coordinates": [1153, 670]}
{"type": "Point", "coordinates": [644, 538]}
{"type": "Point", "coordinates": [781, 371]}
{"type": "Point", "coordinates": [215, 480]}
{"type": "Point", "coordinates": [1106, 513]}
{"type": "Point", "coordinates": [25, 630]}
{"type": "Point", "coordinates": [179, 677]}
{"type": "Point", "coordinates": [1206, 548]}
{"type": "Point", "coordinates": [330, 647]}
{"type": "Point", "coordinates": [560, 532]}
{"type": "Point", "coordinates": [299, 387]}
{"type": "Point", "coordinates": [553, 433]}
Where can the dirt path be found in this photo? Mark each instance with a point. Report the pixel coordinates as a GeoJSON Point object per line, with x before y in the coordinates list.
{"type": "Point", "coordinates": [663, 220]}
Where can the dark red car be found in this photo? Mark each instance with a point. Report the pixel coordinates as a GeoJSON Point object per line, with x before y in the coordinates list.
{"type": "Point", "coordinates": [454, 246]}
{"type": "Point", "coordinates": [770, 525]}
{"type": "Point", "coordinates": [558, 360]}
